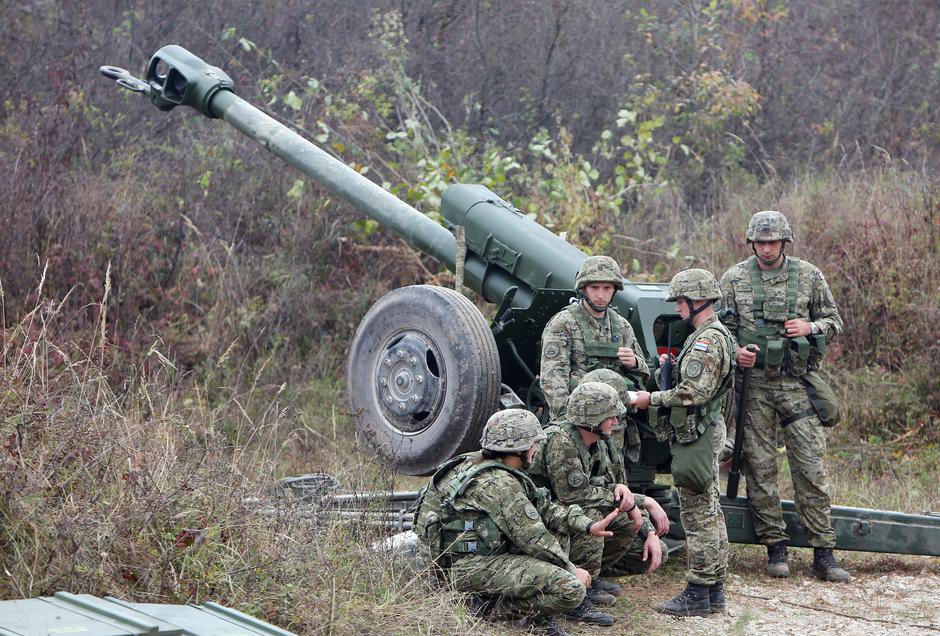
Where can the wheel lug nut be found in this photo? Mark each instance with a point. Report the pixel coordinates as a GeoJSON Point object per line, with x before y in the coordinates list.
{"type": "Point", "coordinates": [413, 361]}
{"type": "Point", "coordinates": [419, 379]}
{"type": "Point", "coordinates": [388, 399]}
{"type": "Point", "coordinates": [401, 406]}
{"type": "Point", "coordinates": [383, 382]}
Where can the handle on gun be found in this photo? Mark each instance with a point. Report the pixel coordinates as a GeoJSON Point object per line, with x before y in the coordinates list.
{"type": "Point", "coordinates": [734, 474]}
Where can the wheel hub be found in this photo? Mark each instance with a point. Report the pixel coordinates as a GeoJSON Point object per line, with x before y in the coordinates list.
{"type": "Point", "coordinates": [408, 382]}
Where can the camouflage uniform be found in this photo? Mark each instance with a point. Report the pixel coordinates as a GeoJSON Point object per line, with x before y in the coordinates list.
{"type": "Point", "coordinates": [505, 549]}
{"type": "Point", "coordinates": [585, 476]}
{"type": "Point", "coordinates": [574, 342]}
{"type": "Point", "coordinates": [776, 394]}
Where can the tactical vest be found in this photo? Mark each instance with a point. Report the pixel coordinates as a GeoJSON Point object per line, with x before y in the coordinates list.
{"type": "Point", "coordinates": [446, 533]}
{"type": "Point", "coordinates": [690, 422]}
{"type": "Point", "coordinates": [605, 351]}
{"type": "Point", "coordinates": [777, 352]}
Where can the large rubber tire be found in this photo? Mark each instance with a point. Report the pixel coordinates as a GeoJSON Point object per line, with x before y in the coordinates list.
{"type": "Point", "coordinates": [423, 377]}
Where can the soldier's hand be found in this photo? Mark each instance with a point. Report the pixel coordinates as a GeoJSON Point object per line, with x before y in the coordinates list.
{"type": "Point", "coordinates": [599, 528]}
{"type": "Point", "coordinates": [796, 327]}
{"type": "Point", "coordinates": [584, 576]}
{"type": "Point", "coordinates": [657, 516]}
{"type": "Point", "coordinates": [624, 497]}
{"type": "Point", "coordinates": [652, 552]}
{"type": "Point", "coordinates": [642, 400]}
{"type": "Point", "coordinates": [627, 357]}
{"type": "Point", "coordinates": [666, 357]}
{"type": "Point", "coordinates": [747, 358]}
{"type": "Point", "coordinates": [637, 518]}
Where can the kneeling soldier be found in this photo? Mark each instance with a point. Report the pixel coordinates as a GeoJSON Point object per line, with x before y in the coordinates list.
{"type": "Point", "coordinates": [492, 536]}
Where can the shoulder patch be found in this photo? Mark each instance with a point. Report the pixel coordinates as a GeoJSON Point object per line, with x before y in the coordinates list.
{"type": "Point", "coordinates": [531, 512]}
{"type": "Point", "coordinates": [693, 369]}
{"type": "Point", "coordinates": [551, 350]}
{"type": "Point", "coordinates": [576, 478]}
{"type": "Point", "coordinates": [701, 344]}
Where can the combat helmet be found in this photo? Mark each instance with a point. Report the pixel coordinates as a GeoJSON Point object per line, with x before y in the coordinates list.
{"type": "Point", "coordinates": [614, 380]}
{"type": "Point", "coordinates": [591, 403]}
{"type": "Point", "coordinates": [511, 431]}
{"type": "Point", "coordinates": [769, 225]}
{"type": "Point", "coordinates": [599, 269]}
{"type": "Point", "coordinates": [694, 284]}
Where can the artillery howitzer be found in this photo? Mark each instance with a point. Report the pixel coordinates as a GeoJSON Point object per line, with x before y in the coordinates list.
{"type": "Point", "coordinates": [425, 368]}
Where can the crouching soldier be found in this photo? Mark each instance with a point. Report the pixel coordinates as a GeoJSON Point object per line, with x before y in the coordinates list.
{"type": "Point", "coordinates": [490, 528]}
{"type": "Point", "coordinates": [578, 467]}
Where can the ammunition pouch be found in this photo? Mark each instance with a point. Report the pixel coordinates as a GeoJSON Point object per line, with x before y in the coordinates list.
{"type": "Point", "coordinates": [822, 398]}
{"type": "Point", "coordinates": [693, 463]}
{"type": "Point", "coordinates": [684, 421]}
{"type": "Point", "coordinates": [794, 355]}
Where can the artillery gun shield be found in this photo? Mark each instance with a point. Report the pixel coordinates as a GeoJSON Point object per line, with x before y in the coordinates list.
{"type": "Point", "coordinates": [423, 377]}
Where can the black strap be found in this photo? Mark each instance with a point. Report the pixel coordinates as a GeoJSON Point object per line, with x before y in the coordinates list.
{"type": "Point", "coordinates": [797, 416]}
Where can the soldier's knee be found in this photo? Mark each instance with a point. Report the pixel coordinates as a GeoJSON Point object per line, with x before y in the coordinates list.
{"type": "Point", "coordinates": [570, 593]}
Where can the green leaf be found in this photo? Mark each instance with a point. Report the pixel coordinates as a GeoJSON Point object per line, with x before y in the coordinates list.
{"type": "Point", "coordinates": [297, 190]}
{"type": "Point", "coordinates": [292, 100]}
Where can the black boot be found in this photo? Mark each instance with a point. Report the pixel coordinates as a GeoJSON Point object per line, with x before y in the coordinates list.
{"type": "Point", "coordinates": [716, 597]}
{"type": "Point", "coordinates": [587, 613]}
{"type": "Point", "coordinates": [777, 565]}
{"type": "Point", "coordinates": [826, 568]}
{"type": "Point", "coordinates": [692, 601]}
{"type": "Point", "coordinates": [599, 596]}
{"type": "Point", "coordinates": [611, 588]}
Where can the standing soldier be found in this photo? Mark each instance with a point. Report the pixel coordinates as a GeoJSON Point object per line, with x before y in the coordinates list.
{"type": "Point", "coordinates": [577, 466]}
{"type": "Point", "coordinates": [697, 431]}
{"type": "Point", "coordinates": [784, 308]}
{"type": "Point", "coordinates": [588, 335]}
{"type": "Point", "coordinates": [490, 528]}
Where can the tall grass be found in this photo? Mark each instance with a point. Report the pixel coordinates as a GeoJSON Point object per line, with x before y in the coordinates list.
{"type": "Point", "coordinates": [149, 491]}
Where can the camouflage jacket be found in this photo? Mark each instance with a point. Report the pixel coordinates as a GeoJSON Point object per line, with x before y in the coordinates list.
{"type": "Point", "coordinates": [575, 473]}
{"type": "Point", "coordinates": [704, 363]}
{"type": "Point", "coordinates": [565, 358]}
{"type": "Point", "coordinates": [814, 303]}
{"type": "Point", "coordinates": [523, 518]}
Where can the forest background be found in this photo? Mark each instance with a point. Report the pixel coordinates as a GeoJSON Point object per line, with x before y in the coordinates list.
{"type": "Point", "coordinates": [176, 306]}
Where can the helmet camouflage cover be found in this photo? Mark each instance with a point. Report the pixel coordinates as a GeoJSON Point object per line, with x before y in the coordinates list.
{"type": "Point", "coordinates": [694, 284]}
{"type": "Point", "coordinates": [612, 379]}
{"type": "Point", "coordinates": [512, 430]}
{"type": "Point", "coordinates": [593, 402]}
{"type": "Point", "coordinates": [769, 225]}
{"type": "Point", "coordinates": [599, 269]}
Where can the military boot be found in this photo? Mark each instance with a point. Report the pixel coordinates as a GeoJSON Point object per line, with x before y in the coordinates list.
{"type": "Point", "coordinates": [587, 613]}
{"type": "Point", "coordinates": [826, 568]}
{"type": "Point", "coordinates": [716, 597]}
{"type": "Point", "coordinates": [599, 596]}
{"type": "Point", "coordinates": [692, 601]}
{"type": "Point", "coordinates": [611, 588]}
{"type": "Point", "coordinates": [777, 566]}
{"type": "Point", "coordinates": [548, 626]}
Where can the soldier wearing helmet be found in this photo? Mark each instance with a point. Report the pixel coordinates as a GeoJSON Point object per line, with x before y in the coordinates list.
{"type": "Point", "coordinates": [783, 307]}
{"type": "Point", "coordinates": [509, 540]}
{"type": "Point", "coordinates": [574, 464]}
{"type": "Point", "coordinates": [697, 434]}
{"type": "Point", "coordinates": [589, 334]}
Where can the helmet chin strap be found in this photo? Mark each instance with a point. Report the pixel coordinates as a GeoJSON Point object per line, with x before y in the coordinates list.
{"type": "Point", "coordinates": [582, 296]}
{"type": "Point", "coordinates": [597, 431]}
{"type": "Point", "coordinates": [692, 311]}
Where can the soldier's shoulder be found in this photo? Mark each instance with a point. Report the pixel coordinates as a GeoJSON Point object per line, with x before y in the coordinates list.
{"type": "Point", "coordinates": [808, 268]}
{"type": "Point", "coordinates": [560, 320]}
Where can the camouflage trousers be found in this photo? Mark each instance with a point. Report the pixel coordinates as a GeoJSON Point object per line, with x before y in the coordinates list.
{"type": "Point", "coordinates": [619, 555]}
{"type": "Point", "coordinates": [706, 537]}
{"type": "Point", "coordinates": [525, 586]}
{"type": "Point", "coordinates": [805, 440]}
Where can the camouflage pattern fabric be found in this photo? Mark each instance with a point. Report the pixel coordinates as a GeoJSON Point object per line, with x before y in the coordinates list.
{"type": "Point", "coordinates": [576, 474]}
{"type": "Point", "coordinates": [630, 448]}
{"type": "Point", "coordinates": [526, 524]}
{"type": "Point", "coordinates": [776, 395]}
{"type": "Point", "coordinates": [706, 535]}
{"type": "Point", "coordinates": [511, 430]}
{"type": "Point", "coordinates": [769, 225]}
{"type": "Point", "coordinates": [599, 269]}
{"type": "Point", "coordinates": [701, 373]}
{"type": "Point", "coordinates": [564, 358]}
{"type": "Point", "coordinates": [632, 561]}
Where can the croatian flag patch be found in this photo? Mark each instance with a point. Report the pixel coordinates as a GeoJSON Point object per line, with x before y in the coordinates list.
{"type": "Point", "coordinates": [701, 345]}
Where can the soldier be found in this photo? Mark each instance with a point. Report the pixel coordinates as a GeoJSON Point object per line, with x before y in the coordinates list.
{"type": "Point", "coordinates": [697, 432]}
{"type": "Point", "coordinates": [579, 467]}
{"type": "Point", "coordinates": [783, 306]}
{"type": "Point", "coordinates": [588, 335]}
{"type": "Point", "coordinates": [502, 550]}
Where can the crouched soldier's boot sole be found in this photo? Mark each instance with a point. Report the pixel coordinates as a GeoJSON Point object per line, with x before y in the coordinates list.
{"type": "Point", "coordinates": [587, 613]}
{"type": "Point", "coordinates": [542, 625]}
{"type": "Point", "coordinates": [826, 568]}
{"type": "Point", "coordinates": [692, 601]}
